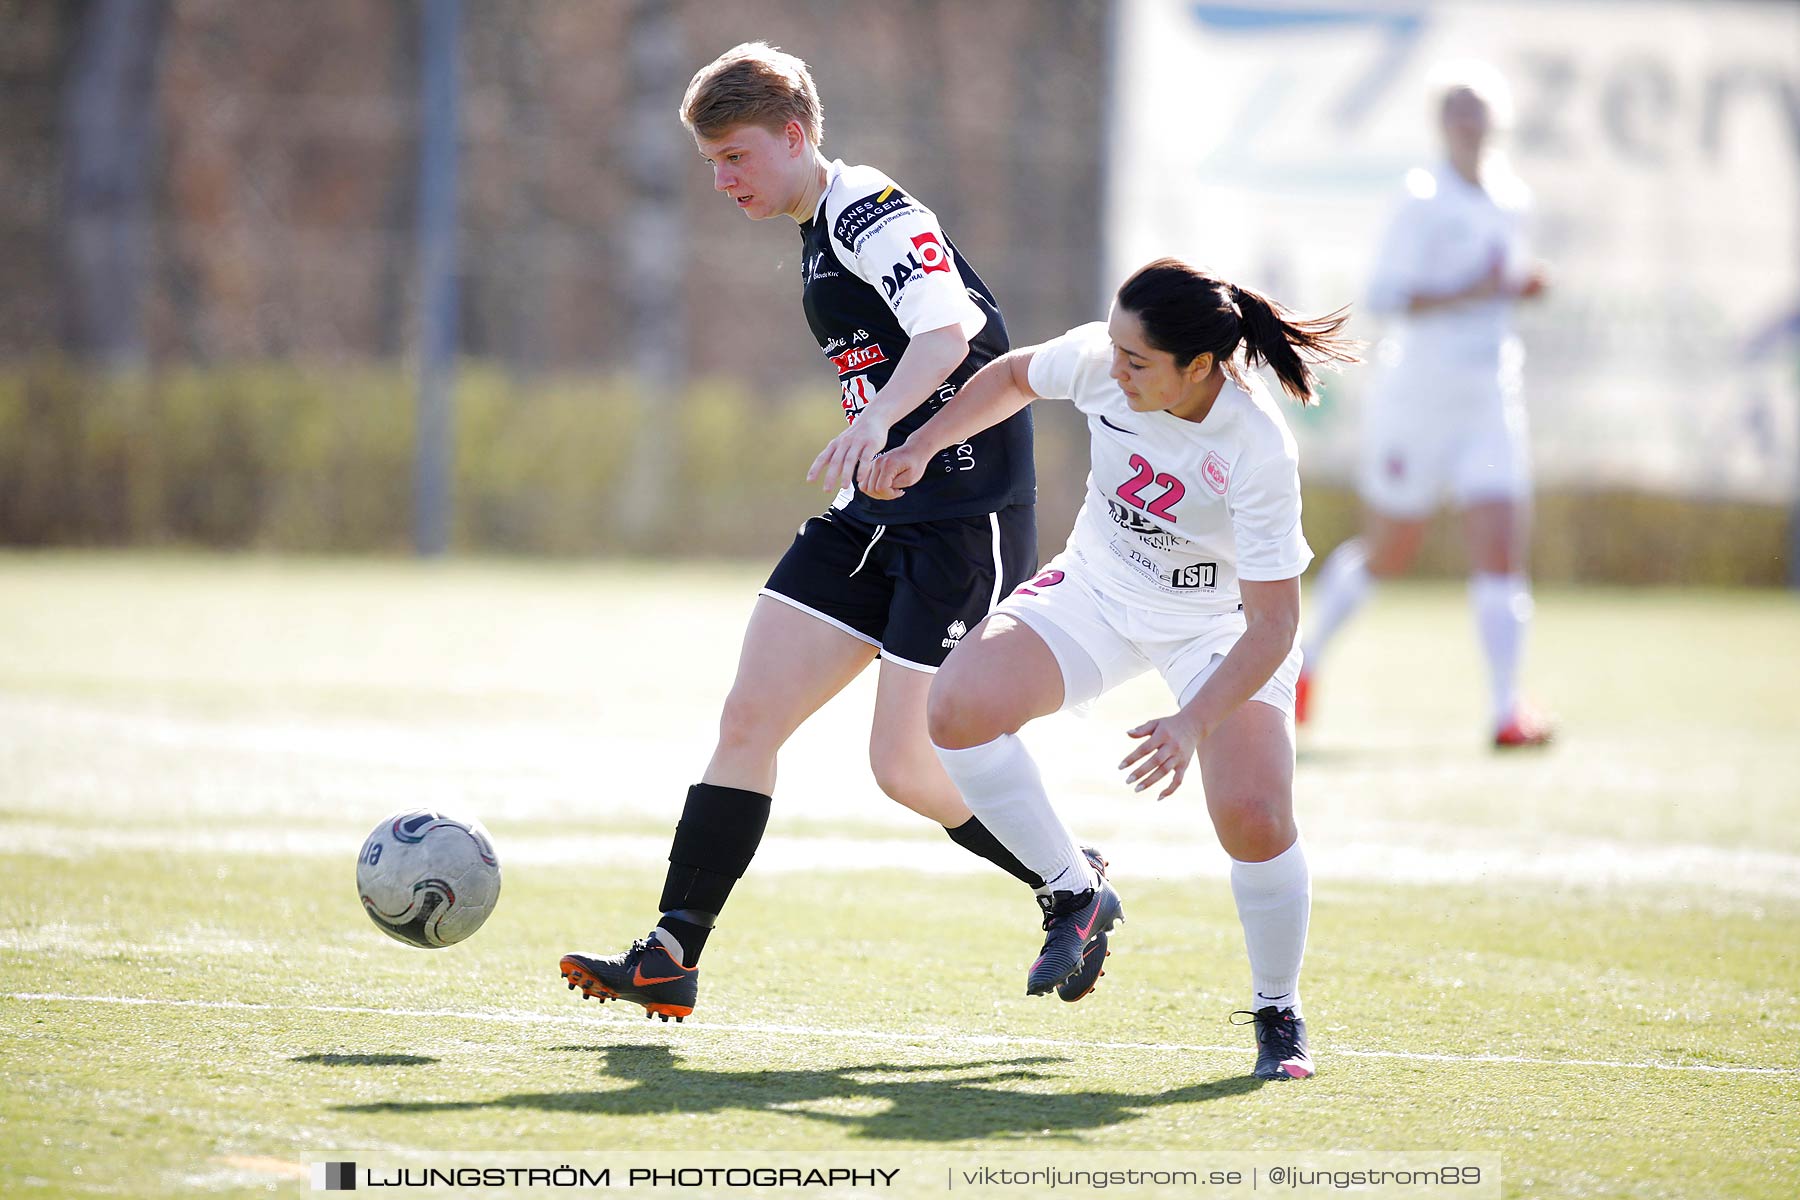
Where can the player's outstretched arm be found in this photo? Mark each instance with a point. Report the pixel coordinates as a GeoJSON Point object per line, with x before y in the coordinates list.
{"type": "Point", "coordinates": [1167, 744]}
{"type": "Point", "coordinates": [927, 362]}
{"type": "Point", "coordinates": [994, 393]}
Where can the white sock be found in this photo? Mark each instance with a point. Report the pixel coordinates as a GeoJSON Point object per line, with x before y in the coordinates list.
{"type": "Point", "coordinates": [1502, 614]}
{"type": "Point", "coordinates": [1274, 900]}
{"type": "Point", "coordinates": [1343, 585]}
{"type": "Point", "coordinates": [670, 943]}
{"type": "Point", "coordinates": [1001, 785]}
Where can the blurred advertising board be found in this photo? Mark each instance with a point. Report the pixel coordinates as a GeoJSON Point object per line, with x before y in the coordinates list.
{"type": "Point", "coordinates": [1661, 142]}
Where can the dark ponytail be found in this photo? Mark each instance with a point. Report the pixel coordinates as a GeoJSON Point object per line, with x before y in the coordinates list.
{"type": "Point", "coordinates": [1187, 312]}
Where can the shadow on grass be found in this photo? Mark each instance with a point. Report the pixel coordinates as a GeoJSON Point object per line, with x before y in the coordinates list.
{"type": "Point", "coordinates": [936, 1102]}
{"type": "Point", "coordinates": [364, 1060]}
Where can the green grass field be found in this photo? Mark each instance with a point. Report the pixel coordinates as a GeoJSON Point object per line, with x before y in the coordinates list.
{"type": "Point", "coordinates": [1586, 961]}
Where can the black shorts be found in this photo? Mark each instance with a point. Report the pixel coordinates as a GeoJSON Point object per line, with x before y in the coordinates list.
{"type": "Point", "coordinates": [909, 590]}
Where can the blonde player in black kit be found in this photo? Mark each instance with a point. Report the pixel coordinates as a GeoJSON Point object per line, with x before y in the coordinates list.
{"type": "Point", "coordinates": [904, 321]}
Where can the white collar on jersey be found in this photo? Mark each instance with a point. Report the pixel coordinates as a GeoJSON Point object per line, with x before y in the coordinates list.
{"type": "Point", "coordinates": [833, 170]}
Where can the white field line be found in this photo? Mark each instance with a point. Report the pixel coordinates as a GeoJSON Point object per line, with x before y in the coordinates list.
{"type": "Point", "coordinates": [1434, 856]}
{"type": "Point", "coordinates": [310, 786]}
{"type": "Point", "coordinates": [926, 1039]}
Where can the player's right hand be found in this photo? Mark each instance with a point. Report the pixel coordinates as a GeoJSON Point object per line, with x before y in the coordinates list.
{"type": "Point", "coordinates": [894, 472]}
{"type": "Point", "coordinates": [848, 457]}
{"type": "Point", "coordinates": [1491, 284]}
{"type": "Point", "coordinates": [1167, 749]}
{"type": "Point", "coordinates": [1533, 285]}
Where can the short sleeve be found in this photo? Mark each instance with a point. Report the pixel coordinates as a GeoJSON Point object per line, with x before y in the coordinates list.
{"type": "Point", "coordinates": [1265, 521]}
{"type": "Point", "coordinates": [1399, 261]}
{"type": "Point", "coordinates": [895, 245]}
{"type": "Point", "coordinates": [1515, 200]}
{"type": "Point", "coordinates": [1060, 366]}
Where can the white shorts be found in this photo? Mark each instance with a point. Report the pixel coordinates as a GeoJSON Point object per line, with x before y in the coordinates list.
{"type": "Point", "coordinates": [1100, 643]}
{"type": "Point", "coordinates": [1436, 430]}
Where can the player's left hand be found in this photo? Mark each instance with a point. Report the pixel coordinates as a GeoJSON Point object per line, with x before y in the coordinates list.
{"type": "Point", "coordinates": [846, 459]}
{"type": "Point", "coordinates": [893, 472]}
{"type": "Point", "coordinates": [1167, 749]}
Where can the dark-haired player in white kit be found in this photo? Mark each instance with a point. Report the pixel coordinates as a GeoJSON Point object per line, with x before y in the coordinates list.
{"type": "Point", "coordinates": [904, 320]}
{"type": "Point", "coordinates": [1185, 559]}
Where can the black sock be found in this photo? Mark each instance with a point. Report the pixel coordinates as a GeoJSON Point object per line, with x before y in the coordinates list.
{"type": "Point", "coordinates": [717, 836]}
{"type": "Point", "coordinates": [978, 839]}
{"type": "Point", "coordinates": [691, 928]}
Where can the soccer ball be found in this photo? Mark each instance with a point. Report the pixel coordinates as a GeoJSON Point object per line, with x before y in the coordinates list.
{"type": "Point", "coordinates": [428, 879]}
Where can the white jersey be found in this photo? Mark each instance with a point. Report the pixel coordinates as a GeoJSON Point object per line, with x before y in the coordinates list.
{"type": "Point", "coordinates": [1447, 235]}
{"type": "Point", "coordinates": [1177, 511]}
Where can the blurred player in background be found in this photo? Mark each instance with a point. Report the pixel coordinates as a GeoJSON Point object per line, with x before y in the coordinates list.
{"type": "Point", "coordinates": [1185, 558]}
{"type": "Point", "coordinates": [904, 319]}
{"type": "Point", "coordinates": [1445, 414]}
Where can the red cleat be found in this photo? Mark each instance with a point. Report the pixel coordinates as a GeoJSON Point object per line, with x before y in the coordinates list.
{"type": "Point", "coordinates": [1302, 691]}
{"type": "Point", "coordinates": [1526, 730]}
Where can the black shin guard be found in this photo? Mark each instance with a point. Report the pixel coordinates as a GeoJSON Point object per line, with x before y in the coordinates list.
{"type": "Point", "coordinates": [717, 836]}
{"type": "Point", "coordinates": [978, 839]}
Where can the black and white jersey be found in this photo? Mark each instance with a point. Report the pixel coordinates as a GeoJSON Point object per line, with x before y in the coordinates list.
{"type": "Point", "coordinates": [877, 270]}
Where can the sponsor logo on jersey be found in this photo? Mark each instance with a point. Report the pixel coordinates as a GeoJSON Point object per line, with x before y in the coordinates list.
{"type": "Point", "coordinates": [858, 392]}
{"type": "Point", "coordinates": [858, 358]}
{"type": "Point", "coordinates": [1216, 471]}
{"type": "Point", "coordinates": [1120, 428]}
{"type": "Point", "coordinates": [813, 267]}
{"type": "Point", "coordinates": [856, 221]}
{"type": "Point", "coordinates": [931, 253]}
{"type": "Point", "coordinates": [1195, 575]}
{"type": "Point", "coordinates": [956, 630]}
{"type": "Point", "coordinates": [895, 281]}
{"type": "Point", "coordinates": [958, 458]}
{"type": "Point", "coordinates": [1152, 535]}
{"type": "Point", "coordinates": [927, 258]}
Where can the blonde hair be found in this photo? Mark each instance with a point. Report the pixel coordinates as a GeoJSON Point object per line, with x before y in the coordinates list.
{"type": "Point", "coordinates": [753, 84]}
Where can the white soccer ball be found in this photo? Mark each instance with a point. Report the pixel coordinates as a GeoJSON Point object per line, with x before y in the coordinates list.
{"type": "Point", "coordinates": [428, 879]}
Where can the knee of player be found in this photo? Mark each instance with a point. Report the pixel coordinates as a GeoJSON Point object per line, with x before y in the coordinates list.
{"type": "Point", "coordinates": [1393, 555]}
{"type": "Point", "coordinates": [1253, 825]}
{"type": "Point", "coordinates": [742, 724]}
{"type": "Point", "coordinates": [960, 717]}
{"type": "Point", "coordinates": [1386, 562]}
{"type": "Point", "coordinates": [901, 775]}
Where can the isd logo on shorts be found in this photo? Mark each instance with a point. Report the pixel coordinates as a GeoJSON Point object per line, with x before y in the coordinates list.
{"type": "Point", "coordinates": [334, 1177]}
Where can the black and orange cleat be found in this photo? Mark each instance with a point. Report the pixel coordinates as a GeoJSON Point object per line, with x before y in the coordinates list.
{"type": "Point", "coordinates": [646, 974]}
{"type": "Point", "coordinates": [1094, 952]}
{"type": "Point", "coordinates": [1071, 919]}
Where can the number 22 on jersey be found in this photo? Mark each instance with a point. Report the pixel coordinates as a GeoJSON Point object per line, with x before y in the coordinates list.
{"type": "Point", "coordinates": [1131, 491]}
